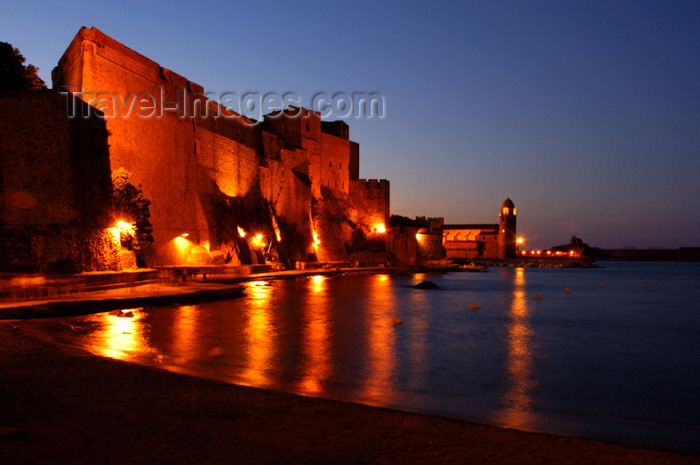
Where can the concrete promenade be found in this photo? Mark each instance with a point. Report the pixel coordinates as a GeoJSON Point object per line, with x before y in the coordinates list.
{"type": "Point", "coordinates": [186, 289]}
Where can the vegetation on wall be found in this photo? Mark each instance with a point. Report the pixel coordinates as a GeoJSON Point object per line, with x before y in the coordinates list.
{"type": "Point", "coordinates": [130, 206]}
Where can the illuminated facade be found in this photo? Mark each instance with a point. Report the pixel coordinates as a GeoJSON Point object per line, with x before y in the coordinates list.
{"type": "Point", "coordinates": [483, 240]}
{"type": "Point", "coordinates": [217, 181]}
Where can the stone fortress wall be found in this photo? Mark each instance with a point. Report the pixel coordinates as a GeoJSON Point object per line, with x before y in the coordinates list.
{"type": "Point", "coordinates": [49, 165]}
{"type": "Point", "coordinates": [372, 198]}
{"type": "Point", "coordinates": [207, 177]}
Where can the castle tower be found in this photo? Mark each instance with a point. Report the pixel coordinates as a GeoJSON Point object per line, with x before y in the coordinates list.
{"type": "Point", "coordinates": [506, 233]}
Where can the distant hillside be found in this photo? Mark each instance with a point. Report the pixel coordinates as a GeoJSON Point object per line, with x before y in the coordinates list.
{"type": "Point", "coordinates": [581, 248]}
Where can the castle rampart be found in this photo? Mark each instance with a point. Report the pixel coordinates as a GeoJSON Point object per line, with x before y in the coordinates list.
{"type": "Point", "coordinates": [212, 173]}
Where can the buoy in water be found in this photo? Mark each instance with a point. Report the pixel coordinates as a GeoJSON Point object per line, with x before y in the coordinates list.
{"type": "Point", "coordinates": [567, 290]}
{"type": "Point", "coordinates": [538, 297]}
{"type": "Point", "coordinates": [646, 281]}
{"type": "Point", "coordinates": [602, 284]}
{"type": "Point", "coordinates": [397, 321]}
{"type": "Point", "coordinates": [474, 306]}
{"type": "Point", "coordinates": [678, 278]}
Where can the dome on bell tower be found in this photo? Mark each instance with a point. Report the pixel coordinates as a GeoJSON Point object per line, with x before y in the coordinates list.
{"type": "Point", "coordinates": [508, 204]}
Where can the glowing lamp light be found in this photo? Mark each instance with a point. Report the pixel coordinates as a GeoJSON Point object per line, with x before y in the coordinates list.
{"type": "Point", "coordinates": [257, 241]}
{"type": "Point", "coordinates": [317, 241]}
{"type": "Point", "coordinates": [419, 236]}
{"type": "Point", "coordinates": [520, 240]}
{"type": "Point", "coordinates": [184, 234]}
{"type": "Point", "coordinates": [241, 231]}
{"type": "Point", "coordinates": [125, 227]}
{"type": "Point", "coordinates": [182, 245]}
{"type": "Point", "coordinates": [125, 231]}
{"type": "Point", "coordinates": [380, 228]}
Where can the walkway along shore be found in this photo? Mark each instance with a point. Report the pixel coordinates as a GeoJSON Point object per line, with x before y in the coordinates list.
{"type": "Point", "coordinates": [150, 293]}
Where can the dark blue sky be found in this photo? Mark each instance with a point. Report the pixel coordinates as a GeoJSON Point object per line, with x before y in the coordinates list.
{"type": "Point", "coordinates": [586, 114]}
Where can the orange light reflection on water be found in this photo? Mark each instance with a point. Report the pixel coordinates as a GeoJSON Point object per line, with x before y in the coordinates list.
{"type": "Point", "coordinates": [185, 346]}
{"type": "Point", "coordinates": [380, 382]}
{"type": "Point", "coordinates": [118, 337]}
{"type": "Point", "coordinates": [260, 334]}
{"type": "Point", "coordinates": [419, 323]}
{"type": "Point", "coordinates": [316, 367]}
{"type": "Point", "coordinates": [518, 413]}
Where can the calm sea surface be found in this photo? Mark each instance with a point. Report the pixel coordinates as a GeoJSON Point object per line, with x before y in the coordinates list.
{"type": "Point", "coordinates": [618, 361]}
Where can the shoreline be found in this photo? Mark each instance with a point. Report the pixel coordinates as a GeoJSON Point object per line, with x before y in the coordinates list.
{"type": "Point", "coordinates": [62, 405]}
{"type": "Point", "coordinates": [142, 291]}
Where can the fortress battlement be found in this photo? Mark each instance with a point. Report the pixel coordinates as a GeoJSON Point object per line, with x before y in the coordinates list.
{"type": "Point", "coordinates": [372, 183]}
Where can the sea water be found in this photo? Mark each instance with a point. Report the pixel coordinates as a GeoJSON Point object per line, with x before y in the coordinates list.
{"type": "Point", "coordinates": [609, 353]}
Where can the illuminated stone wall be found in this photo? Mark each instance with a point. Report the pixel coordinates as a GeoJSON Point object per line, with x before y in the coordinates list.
{"type": "Point", "coordinates": [207, 177]}
{"type": "Point", "coordinates": [371, 199]}
{"type": "Point", "coordinates": [49, 165]}
{"type": "Point", "coordinates": [157, 151]}
{"type": "Point", "coordinates": [403, 243]}
{"type": "Point", "coordinates": [430, 246]}
{"type": "Point", "coordinates": [335, 163]}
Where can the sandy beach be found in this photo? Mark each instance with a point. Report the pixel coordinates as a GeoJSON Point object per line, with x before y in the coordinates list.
{"type": "Point", "coordinates": [62, 406]}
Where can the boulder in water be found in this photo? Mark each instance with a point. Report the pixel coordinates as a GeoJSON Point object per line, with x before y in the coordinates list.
{"type": "Point", "coordinates": [426, 285]}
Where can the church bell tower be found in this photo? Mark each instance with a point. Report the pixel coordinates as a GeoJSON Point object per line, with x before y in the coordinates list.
{"type": "Point", "coordinates": [506, 233]}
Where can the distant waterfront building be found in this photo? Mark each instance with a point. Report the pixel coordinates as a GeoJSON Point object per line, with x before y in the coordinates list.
{"type": "Point", "coordinates": [483, 240]}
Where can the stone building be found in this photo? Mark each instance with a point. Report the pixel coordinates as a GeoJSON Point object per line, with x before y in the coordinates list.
{"type": "Point", "coordinates": [416, 242]}
{"type": "Point", "coordinates": [224, 189]}
{"type": "Point", "coordinates": [483, 240]}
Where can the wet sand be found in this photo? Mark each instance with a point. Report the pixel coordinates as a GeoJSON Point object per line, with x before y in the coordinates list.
{"type": "Point", "coordinates": [62, 406]}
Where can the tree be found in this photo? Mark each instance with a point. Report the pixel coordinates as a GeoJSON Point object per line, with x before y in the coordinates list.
{"type": "Point", "coordinates": [14, 74]}
{"type": "Point", "coordinates": [131, 207]}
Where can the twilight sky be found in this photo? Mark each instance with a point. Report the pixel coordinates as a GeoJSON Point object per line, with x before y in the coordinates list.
{"type": "Point", "coordinates": [585, 113]}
